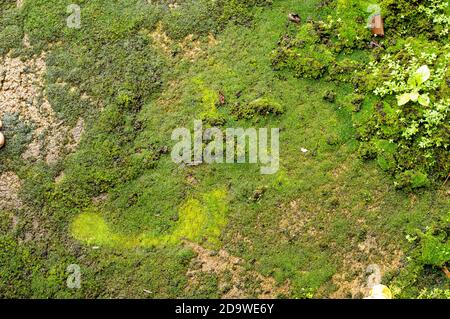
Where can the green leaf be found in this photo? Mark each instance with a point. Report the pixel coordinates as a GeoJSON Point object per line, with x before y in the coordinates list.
{"type": "Point", "coordinates": [412, 82]}
{"type": "Point", "coordinates": [422, 74]}
{"type": "Point", "coordinates": [403, 99]}
{"type": "Point", "coordinates": [424, 100]}
{"type": "Point", "coordinates": [414, 96]}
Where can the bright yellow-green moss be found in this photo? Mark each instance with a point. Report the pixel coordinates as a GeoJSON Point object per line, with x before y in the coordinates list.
{"type": "Point", "coordinates": [209, 98]}
{"type": "Point", "coordinates": [202, 220]}
{"type": "Point", "coordinates": [92, 229]}
{"type": "Point", "coordinates": [198, 221]}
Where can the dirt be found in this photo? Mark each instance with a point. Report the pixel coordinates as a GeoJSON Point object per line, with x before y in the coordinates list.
{"type": "Point", "coordinates": [75, 135]}
{"type": "Point", "coordinates": [100, 199]}
{"type": "Point", "coordinates": [190, 47]}
{"type": "Point", "coordinates": [191, 180]}
{"type": "Point", "coordinates": [223, 264]}
{"type": "Point", "coordinates": [10, 185]}
{"type": "Point", "coordinates": [161, 39]}
{"type": "Point", "coordinates": [296, 220]}
{"type": "Point", "coordinates": [22, 92]}
{"type": "Point", "coordinates": [352, 279]}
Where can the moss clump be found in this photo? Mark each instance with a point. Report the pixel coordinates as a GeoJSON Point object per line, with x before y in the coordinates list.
{"type": "Point", "coordinates": [209, 100]}
{"type": "Point", "coordinates": [199, 221]}
{"type": "Point", "coordinates": [107, 75]}
{"type": "Point", "coordinates": [429, 255]}
{"type": "Point", "coordinates": [90, 228]}
{"type": "Point", "coordinates": [330, 96]}
{"type": "Point", "coordinates": [411, 180]}
{"type": "Point", "coordinates": [259, 107]}
{"type": "Point", "coordinates": [10, 37]}
{"type": "Point", "coordinates": [314, 50]}
{"type": "Point", "coordinates": [341, 48]}
{"type": "Point", "coordinates": [435, 249]}
{"type": "Point", "coordinates": [18, 135]}
{"type": "Point", "coordinates": [11, 26]}
{"type": "Point", "coordinates": [202, 221]}
{"type": "Point", "coordinates": [385, 154]}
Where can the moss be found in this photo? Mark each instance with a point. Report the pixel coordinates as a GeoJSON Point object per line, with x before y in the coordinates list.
{"type": "Point", "coordinates": [367, 151]}
{"type": "Point", "coordinates": [435, 250]}
{"type": "Point", "coordinates": [92, 229]}
{"type": "Point", "coordinates": [429, 253]}
{"type": "Point", "coordinates": [203, 17]}
{"type": "Point", "coordinates": [412, 179]}
{"type": "Point", "coordinates": [385, 154]}
{"type": "Point", "coordinates": [209, 100]}
{"type": "Point", "coordinates": [330, 96]}
{"type": "Point", "coordinates": [260, 107]}
{"type": "Point", "coordinates": [13, 259]}
{"type": "Point", "coordinates": [198, 222]}
{"type": "Point", "coordinates": [335, 49]}
{"type": "Point", "coordinates": [121, 182]}
{"type": "Point", "coordinates": [206, 286]}
{"type": "Point", "coordinates": [10, 37]}
{"type": "Point", "coordinates": [17, 134]}
{"type": "Point", "coordinates": [27, 274]}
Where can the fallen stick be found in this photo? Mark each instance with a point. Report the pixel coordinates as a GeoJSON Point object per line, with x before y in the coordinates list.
{"type": "Point", "coordinates": [446, 180]}
{"type": "Point", "coordinates": [446, 272]}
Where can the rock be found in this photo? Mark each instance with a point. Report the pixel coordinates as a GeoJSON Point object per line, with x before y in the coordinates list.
{"type": "Point", "coordinates": [294, 17]}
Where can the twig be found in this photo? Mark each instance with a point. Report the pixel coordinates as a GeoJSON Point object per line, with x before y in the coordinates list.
{"type": "Point", "coordinates": [446, 180]}
{"type": "Point", "coordinates": [446, 272]}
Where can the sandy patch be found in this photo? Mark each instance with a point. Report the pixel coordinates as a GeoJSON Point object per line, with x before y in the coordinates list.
{"type": "Point", "coordinates": [22, 92]}
{"type": "Point", "coordinates": [296, 221]}
{"type": "Point", "coordinates": [354, 278]}
{"type": "Point", "coordinates": [75, 135]}
{"type": "Point", "coordinates": [222, 263]}
{"type": "Point", "coordinates": [161, 39]}
{"type": "Point", "coordinates": [190, 49]}
{"type": "Point", "coordinates": [9, 191]}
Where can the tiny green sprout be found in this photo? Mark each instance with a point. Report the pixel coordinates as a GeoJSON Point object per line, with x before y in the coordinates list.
{"type": "Point", "coordinates": [414, 84]}
{"type": "Point", "coordinates": [410, 238]}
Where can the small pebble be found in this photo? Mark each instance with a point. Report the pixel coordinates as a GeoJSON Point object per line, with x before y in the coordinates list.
{"type": "Point", "coordinates": [2, 140]}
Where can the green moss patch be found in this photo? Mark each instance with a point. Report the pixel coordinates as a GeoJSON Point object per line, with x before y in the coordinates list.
{"type": "Point", "coordinates": [199, 221]}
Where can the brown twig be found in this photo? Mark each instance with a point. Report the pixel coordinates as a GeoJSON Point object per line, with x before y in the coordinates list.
{"type": "Point", "coordinates": [446, 272]}
{"type": "Point", "coordinates": [446, 180]}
